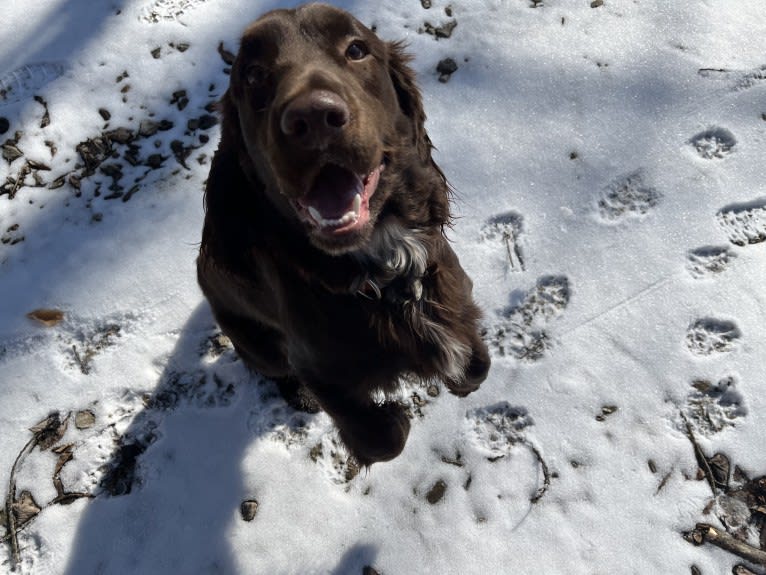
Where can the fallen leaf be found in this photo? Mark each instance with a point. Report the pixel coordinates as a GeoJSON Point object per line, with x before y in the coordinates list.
{"type": "Point", "coordinates": [49, 431]}
{"type": "Point", "coordinates": [84, 419]}
{"type": "Point", "coordinates": [25, 508]}
{"type": "Point", "coordinates": [47, 317]}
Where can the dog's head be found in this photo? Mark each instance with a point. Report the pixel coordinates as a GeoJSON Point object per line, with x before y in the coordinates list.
{"type": "Point", "coordinates": [328, 118]}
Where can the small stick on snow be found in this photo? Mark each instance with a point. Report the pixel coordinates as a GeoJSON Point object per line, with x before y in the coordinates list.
{"type": "Point", "coordinates": [704, 533]}
{"type": "Point", "coordinates": [546, 473]}
{"type": "Point", "coordinates": [514, 253]}
{"type": "Point", "coordinates": [700, 456]}
{"type": "Point", "coordinates": [80, 362]}
{"type": "Point", "coordinates": [10, 514]}
{"type": "Point", "coordinates": [742, 570]}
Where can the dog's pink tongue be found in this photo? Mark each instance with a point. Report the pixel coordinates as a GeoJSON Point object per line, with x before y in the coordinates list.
{"type": "Point", "coordinates": [333, 192]}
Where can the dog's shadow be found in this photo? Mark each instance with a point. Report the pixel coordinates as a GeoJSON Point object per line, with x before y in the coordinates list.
{"type": "Point", "coordinates": [173, 487]}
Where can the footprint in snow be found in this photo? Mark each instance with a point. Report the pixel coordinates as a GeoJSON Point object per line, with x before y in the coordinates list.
{"type": "Point", "coordinates": [709, 261]}
{"type": "Point", "coordinates": [168, 10]}
{"type": "Point", "coordinates": [742, 79]}
{"type": "Point", "coordinates": [496, 432]}
{"type": "Point", "coordinates": [22, 83]}
{"type": "Point", "coordinates": [751, 79]}
{"type": "Point", "coordinates": [744, 223]}
{"type": "Point", "coordinates": [710, 336]}
{"type": "Point", "coordinates": [627, 197]}
{"type": "Point", "coordinates": [521, 331]}
{"type": "Point", "coordinates": [714, 143]}
{"type": "Point", "coordinates": [712, 407]}
{"type": "Point", "coordinates": [506, 229]}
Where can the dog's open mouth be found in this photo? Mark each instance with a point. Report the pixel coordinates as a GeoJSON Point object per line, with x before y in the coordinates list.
{"type": "Point", "coordinates": [339, 200]}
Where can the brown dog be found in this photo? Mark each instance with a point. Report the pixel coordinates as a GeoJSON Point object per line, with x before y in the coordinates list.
{"type": "Point", "coordinates": [323, 254]}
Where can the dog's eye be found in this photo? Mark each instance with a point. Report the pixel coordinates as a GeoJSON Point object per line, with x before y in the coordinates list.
{"type": "Point", "coordinates": [357, 50]}
{"type": "Point", "coordinates": [256, 74]}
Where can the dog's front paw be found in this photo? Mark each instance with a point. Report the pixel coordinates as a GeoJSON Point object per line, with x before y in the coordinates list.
{"type": "Point", "coordinates": [297, 395]}
{"type": "Point", "coordinates": [376, 434]}
{"type": "Point", "coordinates": [475, 372]}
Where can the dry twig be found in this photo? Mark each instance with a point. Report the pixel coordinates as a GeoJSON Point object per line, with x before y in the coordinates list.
{"type": "Point", "coordinates": [546, 473]}
{"type": "Point", "coordinates": [700, 456]}
{"type": "Point", "coordinates": [704, 533]}
{"type": "Point", "coordinates": [10, 512]}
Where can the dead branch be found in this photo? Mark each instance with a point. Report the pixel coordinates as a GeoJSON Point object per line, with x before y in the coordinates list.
{"type": "Point", "coordinates": [700, 456]}
{"type": "Point", "coordinates": [546, 473]}
{"type": "Point", "coordinates": [742, 570]}
{"type": "Point", "coordinates": [704, 533]}
{"type": "Point", "coordinates": [10, 500]}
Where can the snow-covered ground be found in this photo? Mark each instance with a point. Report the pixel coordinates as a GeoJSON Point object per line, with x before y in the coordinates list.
{"type": "Point", "coordinates": [609, 162]}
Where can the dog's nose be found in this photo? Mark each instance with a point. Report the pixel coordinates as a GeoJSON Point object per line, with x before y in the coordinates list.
{"type": "Point", "coordinates": [313, 118]}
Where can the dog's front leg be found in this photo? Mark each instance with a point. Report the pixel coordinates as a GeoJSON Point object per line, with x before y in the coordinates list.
{"type": "Point", "coordinates": [372, 432]}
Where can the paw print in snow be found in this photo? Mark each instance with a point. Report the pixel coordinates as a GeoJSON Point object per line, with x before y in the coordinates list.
{"type": "Point", "coordinates": [506, 228]}
{"type": "Point", "coordinates": [168, 10]}
{"type": "Point", "coordinates": [712, 407]}
{"type": "Point", "coordinates": [709, 261]}
{"type": "Point", "coordinates": [495, 429]}
{"type": "Point", "coordinates": [627, 197]}
{"type": "Point", "coordinates": [22, 83]}
{"type": "Point", "coordinates": [521, 331]}
{"type": "Point", "coordinates": [708, 336]}
{"type": "Point", "coordinates": [714, 144]}
{"type": "Point", "coordinates": [744, 223]}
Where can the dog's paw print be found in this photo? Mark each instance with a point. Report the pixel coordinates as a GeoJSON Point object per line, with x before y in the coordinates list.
{"type": "Point", "coordinates": [627, 197]}
{"type": "Point", "coordinates": [744, 223]}
{"type": "Point", "coordinates": [417, 396]}
{"type": "Point", "coordinates": [521, 332]}
{"type": "Point", "coordinates": [495, 429]}
{"type": "Point", "coordinates": [714, 143]}
{"type": "Point", "coordinates": [751, 79]}
{"type": "Point", "coordinates": [506, 229]}
{"type": "Point", "coordinates": [82, 341]}
{"type": "Point", "coordinates": [168, 10]}
{"type": "Point", "coordinates": [712, 407]}
{"type": "Point", "coordinates": [22, 83]}
{"type": "Point", "coordinates": [331, 455]}
{"type": "Point", "coordinates": [709, 261]}
{"type": "Point", "coordinates": [279, 422]}
{"type": "Point", "coordinates": [708, 336]}
{"type": "Point", "coordinates": [496, 432]}
{"type": "Point", "coordinates": [198, 388]}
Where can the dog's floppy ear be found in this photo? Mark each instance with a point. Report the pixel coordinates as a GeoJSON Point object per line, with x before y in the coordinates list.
{"type": "Point", "coordinates": [229, 192]}
{"type": "Point", "coordinates": [408, 93]}
{"type": "Point", "coordinates": [226, 158]}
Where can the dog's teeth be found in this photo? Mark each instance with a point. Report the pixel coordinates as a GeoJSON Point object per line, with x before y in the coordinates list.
{"type": "Point", "coordinates": [347, 218]}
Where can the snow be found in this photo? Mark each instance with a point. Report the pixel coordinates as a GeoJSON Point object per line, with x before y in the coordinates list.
{"type": "Point", "coordinates": [615, 153]}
